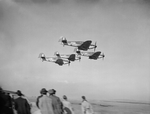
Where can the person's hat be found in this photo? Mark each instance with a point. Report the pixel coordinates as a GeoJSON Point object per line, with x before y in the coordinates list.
{"type": "Point", "coordinates": [54, 91]}
{"type": "Point", "coordinates": [64, 97]}
{"type": "Point", "coordinates": [43, 91]}
{"type": "Point", "coordinates": [19, 93]}
{"type": "Point", "coordinates": [83, 97]}
{"type": "Point", "coordinates": [51, 91]}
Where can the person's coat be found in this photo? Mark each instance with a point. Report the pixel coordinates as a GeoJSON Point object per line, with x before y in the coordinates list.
{"type": "Point", "coordinates": [22, 106]}
{"type": "Point", "coordinates": [57, 104]}
{"type": "Point", "coordinates": [67, 107]}
{"type": "Point", "coordinates": [86, 108]}
{"type": "Point", "coordinates": [45, 105]}
{"type": "Point", "coordinates": [37, 101]}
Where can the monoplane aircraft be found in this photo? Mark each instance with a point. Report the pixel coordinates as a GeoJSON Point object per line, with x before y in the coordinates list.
{"type": "Point", "coordinates": [81, 45]}
{"type": "Point", "coordinates": [56, 60]}
{"type": "Point", "coordinates": [70, 57]}
{"type": "Point", "coordinates": [91, 55]}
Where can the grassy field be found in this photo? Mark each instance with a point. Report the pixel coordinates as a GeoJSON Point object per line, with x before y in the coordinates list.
{"type": "Point", "coordinates": [109, 107]}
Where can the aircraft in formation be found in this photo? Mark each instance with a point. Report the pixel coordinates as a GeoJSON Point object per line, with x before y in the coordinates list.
{"type": "Point", "coordinates": [70, 57]}
{"type": "Point", "coordinates": [81, 45]}
{"type": "Point", "coordinates": [56, 60]}
{"type": "Point", "coordinates": [81, 50]}
{"type": "Point", "coordinates": [91, 55]}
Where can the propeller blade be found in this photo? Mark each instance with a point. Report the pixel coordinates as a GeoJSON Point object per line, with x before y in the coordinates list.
{"type": "Point", "coordinates": [60, 39]}
{"type": "Point", "coordinates": [69, 63]}
{"type": "Point", "coordinates": [95, 46]}
{"type": "Point", "coordinates": [103, 56]}
{"type": "Point", "coordinates": [62, 43]}
{"type": "Point", "coordinates": [79, 58]}
{"type": "Point", "coordinates": [39, 55]}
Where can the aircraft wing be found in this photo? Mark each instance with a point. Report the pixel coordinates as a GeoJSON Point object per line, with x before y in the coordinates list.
{"type": "Point", "coordinates": [59, 62]}
{"type": "Point", "coordinates": [85, 45]}
{"type": "Point", "coordinates": [51, 59]}
{"type": "Point", "coordinates": [95, 55]}
{"type": "Point", "coordinates": [87, 53]}
{"type": "Point", "coordinates": [72, 57]}
{"type": "Point", "coordinates": [74, 43]}
{"type": "Point", "coordinates": [62, 61]}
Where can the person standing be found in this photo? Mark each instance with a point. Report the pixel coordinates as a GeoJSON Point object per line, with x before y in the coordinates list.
{"type": "Point", "coordinates": [56, 102]}
{"type": "Point", "coordinates": [8, 104]}
{"type": "Point", "coordinates": [45, 103]}
{"type": "Point", "coordinates": [67, 106]}
{"type": "Point", "coordinates": [21, 104]}
{"type": "Point", "coordinates": [37, 100]}
{"type": "Point", "coordinates": [13, 104]}
{"type": "Point", "coordinates": [86, 107]}
{"type": "Point", "coordinates": [2, 102]}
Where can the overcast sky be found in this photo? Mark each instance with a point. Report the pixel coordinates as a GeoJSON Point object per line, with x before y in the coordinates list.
{"type": "Point", "coordinates": [121, 29]}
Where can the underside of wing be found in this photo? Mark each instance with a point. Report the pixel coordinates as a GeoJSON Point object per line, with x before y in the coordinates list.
{"type": "Point", "coordinates": [59, 62]}
{"type": "Point", "coordinates": [85, 45]}
{"type": "Point", "coordinates": [72, 57]}
{"type": "Point", "coordinates": [95, 55]}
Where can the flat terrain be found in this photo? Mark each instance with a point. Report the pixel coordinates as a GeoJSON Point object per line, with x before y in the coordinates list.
{"type": "Point", "coordinates": [107, 107]}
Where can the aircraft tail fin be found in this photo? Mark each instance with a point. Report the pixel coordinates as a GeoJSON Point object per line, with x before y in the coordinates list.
{"type": "Point", "coordinates": [42, 57]}
{"type": "Point", "coordinates": [57, 54]}
{"type": "Point", "coordinates": [63, 40]}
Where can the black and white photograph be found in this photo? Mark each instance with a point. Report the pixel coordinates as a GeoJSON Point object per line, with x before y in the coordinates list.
{"type": "Point", "coordinates": [74, 56]}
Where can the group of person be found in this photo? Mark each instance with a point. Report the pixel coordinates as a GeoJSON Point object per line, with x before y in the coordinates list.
{"type": "Point", "coordinates": [5, 103]}
{"type": "Point", "coordinates": [49, 103]}
{"type": "Point", "coordinates": [11, 105]}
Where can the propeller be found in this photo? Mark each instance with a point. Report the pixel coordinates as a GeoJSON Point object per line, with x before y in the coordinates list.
{"type": "Point", "coordinates": [62, 44]}
{"type": "Point", "coordinates": [103, 56]}
{"type": "Point", "coordinates": [69, 63]}
{"type": "Point", "coordinates": [95, 46]}
{"type": "Point", "coordinates": [79, 58]}
{"type": "Point", "coordinates": [60, 39]}
{"type": "Point", "coordinates": [40, 55]}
